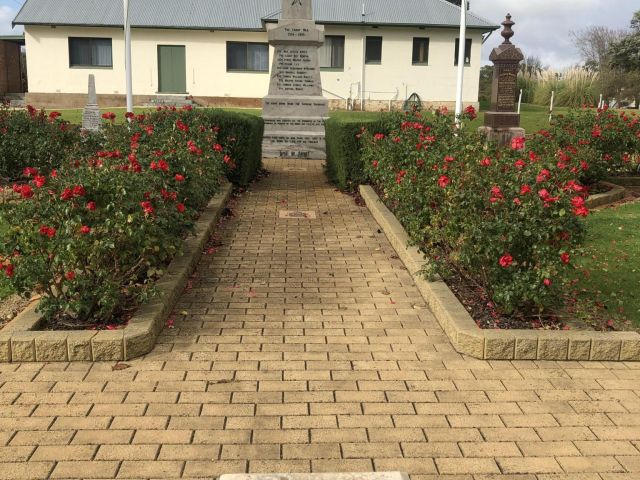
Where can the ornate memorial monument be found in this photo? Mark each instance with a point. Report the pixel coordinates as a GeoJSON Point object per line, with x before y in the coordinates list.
{"type": "Point", "coordinates": [91, 119]}
{"type": "Point", "coordinates": [502, 122]}
{"type": "Point", "coordinates": [294, 112]}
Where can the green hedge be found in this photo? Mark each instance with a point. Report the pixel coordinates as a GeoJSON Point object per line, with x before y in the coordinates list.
{"type": "Point", "coordinates": [344, 162]}
{"type": "Point", "coordinates": [242, 133]}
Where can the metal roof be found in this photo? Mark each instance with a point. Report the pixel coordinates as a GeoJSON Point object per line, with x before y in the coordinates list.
{"type": "Point", "coordinates": [240, 14]}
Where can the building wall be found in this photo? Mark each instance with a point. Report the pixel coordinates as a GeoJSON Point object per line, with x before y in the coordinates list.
{"type": "Point", "coordinates": [209, 82]}
{"type": "Point", "coordinates": [10, 72]}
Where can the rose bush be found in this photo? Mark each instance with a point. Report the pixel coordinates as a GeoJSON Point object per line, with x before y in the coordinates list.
{"type": "Point", "coordinates": [34, 138]}
{"type": "Point", "coordinates": [93, 235]}
{"type": "Point", "coordinates": [505, 220]}
{"type": "Point", "coordinates": [613, 136]}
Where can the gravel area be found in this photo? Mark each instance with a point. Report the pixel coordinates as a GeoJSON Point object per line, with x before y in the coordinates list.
{"type": "Point", "coordinates": [10, 308]}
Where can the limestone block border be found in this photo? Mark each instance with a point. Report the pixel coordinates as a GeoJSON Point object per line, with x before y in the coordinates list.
{"type": "Point", "coordinates": [616, 194]}
{"type": "Point", "coordinates": [21, 342]}
{"type": "Point", "coordinates": [471, 340]}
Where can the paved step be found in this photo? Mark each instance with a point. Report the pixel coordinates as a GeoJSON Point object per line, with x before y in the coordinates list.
{"type": "Point", "coordinates": [302, 144]}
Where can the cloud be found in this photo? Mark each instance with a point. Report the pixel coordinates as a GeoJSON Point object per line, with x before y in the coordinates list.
{"type": "Point", "coordinates": [7, 14]}
{"type": "Point", "coordinates": [543, 26]}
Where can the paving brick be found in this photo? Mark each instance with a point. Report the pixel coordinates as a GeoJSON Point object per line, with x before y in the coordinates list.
{"type": "Point", "coordinates": [292, 357]}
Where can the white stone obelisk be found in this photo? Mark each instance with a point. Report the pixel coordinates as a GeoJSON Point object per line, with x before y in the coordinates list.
{"type": "Point", "coordinates": [295, 110]}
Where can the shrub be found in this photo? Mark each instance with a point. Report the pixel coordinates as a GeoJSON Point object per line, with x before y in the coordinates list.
{"type": "Point", "coordinates": [613, 137]}
{"type": "Point", "coordinates": [505, 220]}
{"type": "Point", "coordinates": [33, 138]}
{"type": "Point", "coordinates": [344, 162]}
{"type": "Point", "coordinates": [92, 236]}
{"type": "Point", "coordinates": [242, 134]}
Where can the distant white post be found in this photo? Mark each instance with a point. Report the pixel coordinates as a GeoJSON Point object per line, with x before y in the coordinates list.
{"type": "Point", "coordinates": [601, 102]}
{"type": "Point", "coordinates": [462, 44]}
{"type": "Point", "coordinates": [520, 102]}
{"type": "Point", "coordinates": [127, 56]}
{"type": "Point", "coordinates": [553, 96]}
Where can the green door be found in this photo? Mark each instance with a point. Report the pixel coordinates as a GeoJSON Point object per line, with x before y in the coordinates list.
{"type": "Point", "coordinates": [172, 69]}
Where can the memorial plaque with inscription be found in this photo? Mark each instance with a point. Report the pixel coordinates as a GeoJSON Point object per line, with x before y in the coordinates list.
{"type": "Point", "coordinates": [91, 118]}
{"type": "Point", "coordinates": [502, 122]}
{"type": "Point", "coordinates": [294, 112]}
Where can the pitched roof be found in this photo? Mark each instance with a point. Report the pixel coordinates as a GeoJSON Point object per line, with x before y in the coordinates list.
{"type": "Point", "coordinates": [241, 14]}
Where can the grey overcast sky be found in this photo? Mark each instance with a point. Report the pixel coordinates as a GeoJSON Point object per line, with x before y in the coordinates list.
{"type": "Point", "coordinates": [542, 26]}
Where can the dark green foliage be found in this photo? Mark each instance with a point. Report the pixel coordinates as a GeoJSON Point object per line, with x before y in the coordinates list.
{"type": "Point", "coordinates": [242, 135]}
{"type": "Point", "coordinates": [344, 162]}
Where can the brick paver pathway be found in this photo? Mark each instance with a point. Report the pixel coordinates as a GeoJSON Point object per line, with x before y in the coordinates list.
{"type": "Point", "coordinates": [303, 345]}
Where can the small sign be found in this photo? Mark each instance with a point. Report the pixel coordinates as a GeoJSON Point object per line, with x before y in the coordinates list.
{"type": "Point", "coordinates": [298, 214]}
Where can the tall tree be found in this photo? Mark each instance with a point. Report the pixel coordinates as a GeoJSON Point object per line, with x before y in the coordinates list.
{"type": "Point", "coordinates": [624, 57]}
{"type": "Point", "coordinates": [594, 43]}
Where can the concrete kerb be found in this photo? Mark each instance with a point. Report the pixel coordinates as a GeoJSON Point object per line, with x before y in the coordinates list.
{"type": "Point", "coordinates": [616, 194]}
{"type": "Point", "coordinates": [471, 340]}
{"type": "Point", "coordinates": [21, 342]}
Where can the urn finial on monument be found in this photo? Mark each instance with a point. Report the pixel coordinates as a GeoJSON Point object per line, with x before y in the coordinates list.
{"type": "Point", "coordinates": [502, 122]}
{"type": "Point", "coordinates": [507, 32]}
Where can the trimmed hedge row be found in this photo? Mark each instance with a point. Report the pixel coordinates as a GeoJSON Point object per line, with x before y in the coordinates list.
{"type": "Point", "coordinates": [242, 134]}
{"type": "Point", "coordinates": [34, 138]}
{"type": "Point", "coordinates": [344, 150]}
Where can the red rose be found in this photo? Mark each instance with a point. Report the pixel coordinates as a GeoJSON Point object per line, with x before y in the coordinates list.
{"type": "Point", "coordinates": [217, 147]}
{"type": "Point", "coordinates": [147, 207]}
{"type": "Point", "coordinates": [164, 166]}
{"type": "Point", "coordinates": [79, 191]}
{"type": "Point", "coordinates": [54, 115]}
{"type": "Point", "coordinates": [577, 202]}
{"type": "Point", "coordinates": [520, 164]}
{"type": "Point", "coordinates": [91, 206]}
{"type": "Point", "coordinates": [449, 159]}
{"type": "Point", "coordinates": [444, 181]}
{"type": "Point", "coordinates": [581, 211]}
{"type": "Point", "coordinates": [180, 207]}
{"type": "Point", "coordinates": [30, 172]}
{"type": "Point", "coordinates": [375, 164]}
{"type": "Point", "coordinates": [470, 111]}
{"type": "Point", "coordinates": [485, 162]}
{"type": "Point", "coordinates": [47, 231]}
{"type": "Point", "coordinates": [525, 189]}
{"type": "Point", "coordinates": [506, 260]}
{"type": "Point", "coordinates": [565, 258]}
{"type": "Point", "coordinates": [379, 136]}
{"type": "Point", "coordinates": [70, 275]}
{"type": "Point", "coordinates": [9, 270]}
{"type": "Point", "coordinates": [543, 176]}
{"type": "Point", "coordinates": [518, 143]}
{"type": "Point", "coordinates": [85, 230]}
{"type": "Point", "coordinates": [179, 178]}
{"type": "Point", "coordinates": [109, 116]}
{"type": "Point", "coordinates": [547, 282]}
{"type": "Point", "coordinates": [39, 181]}
{"type": "Point", "coordinates": [26, 191]}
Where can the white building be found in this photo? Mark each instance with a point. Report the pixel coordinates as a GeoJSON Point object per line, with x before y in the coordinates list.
{"type": "Point", "coordinates": [216, 51]}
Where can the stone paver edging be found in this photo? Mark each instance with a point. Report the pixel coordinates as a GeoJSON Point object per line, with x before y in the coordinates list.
{"type": "Point", "coordinates": [20, 342]}
{"type": "Point", "coordinates": [471, 340]}
{"type": "Point", "coordinates": [616, 194]}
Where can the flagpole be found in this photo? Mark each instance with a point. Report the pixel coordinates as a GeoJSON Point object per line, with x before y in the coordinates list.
{"type": "Point", "coordinates": [462, 44]}
{"type": "Point", "coordinates": [127, 56]}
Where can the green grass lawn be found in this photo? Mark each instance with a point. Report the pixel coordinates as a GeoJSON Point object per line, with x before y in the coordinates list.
{"type": "Point", "coordinates": [611, 263]}
{"type": "Point", "coordinates": [534, 117]}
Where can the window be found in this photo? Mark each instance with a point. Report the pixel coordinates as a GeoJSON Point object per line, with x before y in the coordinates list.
{"type": "Point", "coordinates": [90, 52]}
{"type": "Point", "coordinates": [332, 52]}
{"type": "Point", "coordinates": [420, 51]}
{"type": "Point", "coordinates": [467, 52]}
{"type": "Point", "coordinates": [247, 57]}
{"type": "Point", "coordinates": [373, 52]}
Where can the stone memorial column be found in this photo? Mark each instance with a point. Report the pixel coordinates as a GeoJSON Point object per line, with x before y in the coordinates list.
{"type": "Point", "coordinates": [502, 122]}
{"type": "Point", "coordinates": [294, 112]}
{"type": "Point", "coordinates": [91, 119]}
